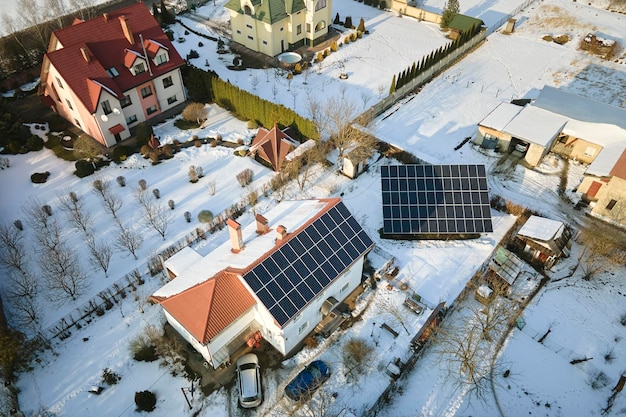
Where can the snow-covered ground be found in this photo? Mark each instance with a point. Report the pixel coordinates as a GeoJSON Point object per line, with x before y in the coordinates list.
{"type": "Point", "coordinates": [584, 316]}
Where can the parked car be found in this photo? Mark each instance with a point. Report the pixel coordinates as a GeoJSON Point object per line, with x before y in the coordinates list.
{"type": "Point", "coordinates": [249, 381]}
{"type": "Point", "coordinates": [521, 147]}
{"type": "Point", "coordinates": [307, 381]}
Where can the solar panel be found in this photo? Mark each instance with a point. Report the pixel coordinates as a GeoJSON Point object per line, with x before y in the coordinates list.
{"type": "Point", "coordinates": [435, 199]}
{"type": "Point", "coordinates": [307, 263]}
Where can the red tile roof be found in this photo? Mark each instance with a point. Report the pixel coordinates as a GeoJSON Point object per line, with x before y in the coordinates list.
{"type": "Point", "coordinates": [272, 145]}
{"type": "Point", "coordinates": [104, 41]}
{"type": "Point", "coordinates": [208, 308]}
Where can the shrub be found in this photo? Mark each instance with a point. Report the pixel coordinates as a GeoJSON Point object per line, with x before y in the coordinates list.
{"type": "Point", "coordinates": [311, 342]}
{"type": "Point", "coordinates": [326, 52]}
{"type": "Point", "coordinates": [73, 196]}
{"type": "Point", "coordinates": [39, 177]}
{"type": "Point", "coordinates": [193, 54]}
{"type": "Point", "coordinates": [353, 36]}
{"type": "Point", "coordinates": [333, 46]}
{"type": "Point", "coordinates": [171, 204]}
{"type": "Point", "coordinates": [245, 177]}
{"type": "Point", "coordinates": [357, 353]}
{"type": "Point", "coordinates": [348, 22]}
{"type": "Point", "coordinates": [213, 143]}
{"type": "Point", "coordinates": [121, 181]}
{"type": "Point", "coordinates": [205, 216]}
{"type": "Point", "coordinates": [297, 69]}
{"type": "Point", "coordinates": [346, 40]}
{"type": "Point", "coordinates": [143, 350]}
{"type": "Point", "coordinates": [142, 184]}
{"type": "Point", "coordinates": [145, 400]}
{"type": "Point", "coordinates": [319, 57]}
{"type": "Point", "coordinates": [197, 143]}
{"type": "Point", "coordinates": [47, 210]}
{"type": "Point", "coordinates": [143, 132]}
{"type": "Point", "coordinates": [121, 152]}
{"type": "Point", "coordinates": [167, 151]}
{"type": "Point", "coordinates": [194, 112]}
{"type": "Point", "coordinates": [83, 168]}
{"type": "Point", "coordinates": [252, 124]}
{"type": "Point", "coordinates": [337, 20]}
{"type": "Point", "coordinates": [18, 225]}
{"type": "Point", "coordinates": [109, 377]}
{"type": "Point", "coordinates": [361, 27]}
{"type": "Point", "coordinates": [187, 216]}
{"type": "Point", "coordinates": [200, 44]}
{"type": "Point", "coordinates": [145, 151]}
{"type": "Point", "coordinates": [34, 143]}
{"type": "Point", "coordinates": [193, 175]}
{"type": "Point", "coordinates": [156, 193]}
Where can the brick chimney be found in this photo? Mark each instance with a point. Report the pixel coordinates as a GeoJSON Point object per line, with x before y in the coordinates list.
{"type": "Point", "coordinates": [126, 29]}
{"type": "Point", "coordinates": [85, 54]}
{"type": "Point", "coordinates": [236, 240]}
{"type": "Point", "coordinates": [281, 233]}
{"type": "Point", "coordinates": [262, 225]}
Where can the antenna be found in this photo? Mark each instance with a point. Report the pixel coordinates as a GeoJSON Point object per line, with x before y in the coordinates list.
{"type": "Point", "coordinates": [104, 117]}
{"type": "Point", "coordinates": [145, 54]}
{"type": "Point", "coordinates": [116, 110]}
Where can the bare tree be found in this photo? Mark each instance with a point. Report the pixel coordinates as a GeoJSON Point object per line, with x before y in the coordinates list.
{"type": "Point", "coordinates": [27, 313]}
{"type": "Point", "coordinates": [194, 112]}
{"type": "Point", "coordinates": [317, 113]}
{"type": "Point", "coordinates": [85, 8]}
{"type": "Point", "coordinates": [597, 253]}
{"type": "Point", "coordinates": [36, 215]}
{"type": "Point", "coordinates": [300, 167]}
{"type": "Point", "coordinates": [51, 239]}
{"type": "Point", "coordinates": [154, 215]}
{"type": "Point", "coordinates": [100, 254]}
{"type": "Point", "coordinates": [394, 309]}
{"type": "Point", "coordinates": [74, 209]}
{"type": "Point", "coordinates": [34, 17]}
{"type": "Point", "coordinates": [127, 238]}
{"type": "Point", "coordinates": [62, 273]}
{"type": "Point", "coordinates": [13, 254]}
{"type": "Point", "coordinates": [212, 186]}
{"type": "Point", "coordinates": [111, 203]}
{"type": "Point", "coordinates": [57, 10]}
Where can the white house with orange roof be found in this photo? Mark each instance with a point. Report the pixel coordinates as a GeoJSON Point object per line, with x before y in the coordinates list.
{"type": "Point", "coordinates": [107, 74]}
{"type": "Point", "coordinates": [270, 280]}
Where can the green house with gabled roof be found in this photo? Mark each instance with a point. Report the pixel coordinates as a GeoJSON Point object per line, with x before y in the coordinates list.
{"type": "Point", "coordinates": [275, 26]}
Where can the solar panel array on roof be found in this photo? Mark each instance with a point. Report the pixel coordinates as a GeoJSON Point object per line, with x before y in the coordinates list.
{"type": "Point", "coordinates": [307, 263]}
{"type": "Point", "coordinates": [435, 199]}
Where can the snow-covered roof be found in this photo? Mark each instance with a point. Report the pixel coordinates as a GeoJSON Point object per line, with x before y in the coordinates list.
{"type": "Point", "coordinates": [501, 116]}
{"type": "Point", "coordinates": [290, 214]}
{"type": "Point", "coordinates": [580, 108]}
{"type": "Point", "coordinates": [540, 228]}
{"type": "Point", "coordinates": [536, 125]}
{"type": "Point", "coordinates": [182, 260]}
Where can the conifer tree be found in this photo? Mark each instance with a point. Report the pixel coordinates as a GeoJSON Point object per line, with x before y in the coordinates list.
{"type": "Point", "coordinates": [361, 27]}
{"type": "Point", "coordinates": [450, 10]}
{"type": "Point", "coordinates": [392, 88]}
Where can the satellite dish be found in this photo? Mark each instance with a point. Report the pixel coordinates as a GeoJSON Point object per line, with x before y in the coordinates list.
{"type": "Point", "coordinates": [116, 110]}
{"type": "Point", "coordinates": [104, 117]}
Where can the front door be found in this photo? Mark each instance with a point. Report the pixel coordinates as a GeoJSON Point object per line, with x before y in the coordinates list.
{"type": "Point", "coordinates": [282, 45]}
{"type": "Point", "coordinates": [117, 137]}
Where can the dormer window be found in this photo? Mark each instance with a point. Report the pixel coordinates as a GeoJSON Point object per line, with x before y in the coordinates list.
{"type": "Point", "coordinates": [161, 58]}
{"type": "Point", "coordinates": [247, 10]}
{"type": "Point", "coordinates": [112, 72]}
{"type": "Point", "coordinates": [139, 68]}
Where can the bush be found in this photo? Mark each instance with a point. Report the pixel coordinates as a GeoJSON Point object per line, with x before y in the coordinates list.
{"type": "Point", "coordinates": [193, 54]}
{"type": "Point", "coordinates": [193, 174]}
{"type": "Point", "coordinates": [34, 143]}
{"type": "Point", "coordinates": [18, 225]}
{"type": "Point", "coordinates": [171, 204]}
{"type": "Point", "coordinates": [245, 177]}
{"type": "Point", "coordinates": [39, 177]}
{"type": "Point", "coordinates": [145, 150]}
{"type": "Point", "coordinates": [357, 353]}
{"type": "Point", "coordinates": [188, 216]}
{"type": "Point", "coordinates": [143, 350]}
{"type": "Point", "coordinates": [83, 168]}
{"type": "Point", "coordinates": [121, 152]}
{"type": "Point", "coordinates": [142, 184]}
{"type": "Point", "coordinates": [143, 132]}
{"type": "Point", "coordinates": [157, 193]}
{"type": "Point", "coordinates": [145, 400]}
{"type": "Point", "coordinates": [297, 69]}
{"type": "Point", "coordinates": [121, 181]}
{"type": "Point", "coordinates": [109, 377]}
{"type": "Point", "coordinates": [333, 46]}
{"type": "Point", "coordinates": [252, 124]}
{"type": "Point", "coordinates": [348, 22]}
{"type": "Point", "coordinates": [205, 216]}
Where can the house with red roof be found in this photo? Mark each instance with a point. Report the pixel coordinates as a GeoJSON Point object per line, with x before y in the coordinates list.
{"type": "Point", "coordinates": [274, 280]}
{"type": "Point", "coordinates": [107, 74]}
{"type": "Point", "coordinates": [272, 146]}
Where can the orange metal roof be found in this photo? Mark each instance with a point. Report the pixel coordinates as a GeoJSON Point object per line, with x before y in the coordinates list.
{"type": "Point", "coordinates": [272, 145]}
{"type": "Point", "coordinates": [208, 308]}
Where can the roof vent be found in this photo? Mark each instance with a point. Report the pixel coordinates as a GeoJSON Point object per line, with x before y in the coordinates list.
{"type": "Point", "coordinates": [85, 54]}
{"type": "Point", "coordinates": [262, 225]}
{"type": "Point", "coordinates": [236, 239]}
{"type": "Point", "coordinates": [106, 17]}
{"type": "Point", "coordinates": [281, 232]}
{"type": "Point", "coordinates": [126, 29]}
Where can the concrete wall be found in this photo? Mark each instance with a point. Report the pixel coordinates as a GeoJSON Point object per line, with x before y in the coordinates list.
{"type": "Point", "coordinates": [406, 9]}
{"type": "Point", "coordinates": [614, 190]}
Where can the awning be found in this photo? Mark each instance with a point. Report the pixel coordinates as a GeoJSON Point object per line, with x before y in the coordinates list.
{"type": "Point", "coordinates": [118, 128]}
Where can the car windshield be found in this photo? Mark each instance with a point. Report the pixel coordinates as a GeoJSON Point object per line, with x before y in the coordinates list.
{"type": "Point", "coordinates": [247, 366]}
{"type": "Point", "coordinates": [315, 373]}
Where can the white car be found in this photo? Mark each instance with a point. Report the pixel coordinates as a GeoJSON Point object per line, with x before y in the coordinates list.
{"type": "Point", "coordinates": [521, 147]}
{"type": "Point", "coordinates": [249, 381]}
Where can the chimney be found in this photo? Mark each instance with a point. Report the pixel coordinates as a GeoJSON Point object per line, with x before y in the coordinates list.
{"type": "Point", "coordinates": [126, 29]}
{"type": "Point", "coordinates": [262, 226]}
{"type": "Point", "coordinates": [234, 230]}
{"type": "Point", "coordinates": [106, 17]}
{"type": "Point", "coordinates": [281, 233]}
{"type": "Point", "coordinates": [85, 54]}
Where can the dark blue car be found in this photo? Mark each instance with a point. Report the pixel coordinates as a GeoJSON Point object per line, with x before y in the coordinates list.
{"type": "Point", "coordinates": [307, 381]}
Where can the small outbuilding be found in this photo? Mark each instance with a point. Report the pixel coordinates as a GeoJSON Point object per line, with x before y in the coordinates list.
{"type": "Point", "coordinates": [272, 146]}
{"type": "Point", "coordinates": [504, 268]}
{"type": "Point", "coordinates": [544, 241]}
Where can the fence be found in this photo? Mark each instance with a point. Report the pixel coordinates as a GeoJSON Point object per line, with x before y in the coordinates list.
{"type": "Point", "coordinates": [502, 21]}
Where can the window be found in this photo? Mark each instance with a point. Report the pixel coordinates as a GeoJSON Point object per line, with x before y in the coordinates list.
{"type": "Point", "coordinates": [151, 109]}
{"type": "Point", "coordinates": [249, 26]}
{"type": "Point", "coordinates": [125, 102]}
{"type": "Point", "coordinates": [238, 32]}
{"type": "Point", "coordinates": [131, 119]}
{"type": "Point", "coordinates": [167, 82]}
{"type": "Point", "coordinates": [308, 28]}
{"type": "Point", "coordinates": [106, 107]}
{"type": "Point", "coordinates": [247, 10]}
{"type": "Point", "coordinates": [77, 123]}
{"type": "Point", "coordinates": [345, 287]}
{"type": "Point", "coordinates": [589, 151]}
{"type": "Point", "coordinates": [139, 68]}
{"type": "Point", "coordinates": [112, 72]}
{"type": "Point", "coordinates": [611, 204]}
{"type": "Point", "coordinates": [281, 29]}
{"type": "Point", "coordinates": [250, 37]}
{"type": "Point", "coordinates": [264, 42]}
{"type": "Point", "coordinates": [171, 100]}
{"type": "Point", "coordinates": [59, 83]}
{"type": "Point", "coordinates": [146, 91]}
{"type": "Point", "coordinates": [298, 29]}
{"type": "Point", "coordinates": [320, 5]}
{"type": "Point", "coordinates": [69, 104]}
{"type": "Point", "coordinates": [303, 327]}
{"type": "Point", "coordinates": [161, 59]}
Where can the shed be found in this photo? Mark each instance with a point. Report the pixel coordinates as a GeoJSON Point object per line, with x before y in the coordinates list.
{"type": "Point", "coordinates": [504, 268]}
{"type": "Point", "coordinates": [543, 240]}
{"type": "Point", "coordinates": [461, 24]}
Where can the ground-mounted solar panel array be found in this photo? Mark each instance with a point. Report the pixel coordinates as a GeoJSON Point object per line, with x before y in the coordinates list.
{"type": "Point", "coordinates": [435, 199]}
{"type": "Point", "coordinates": [304, 266]}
